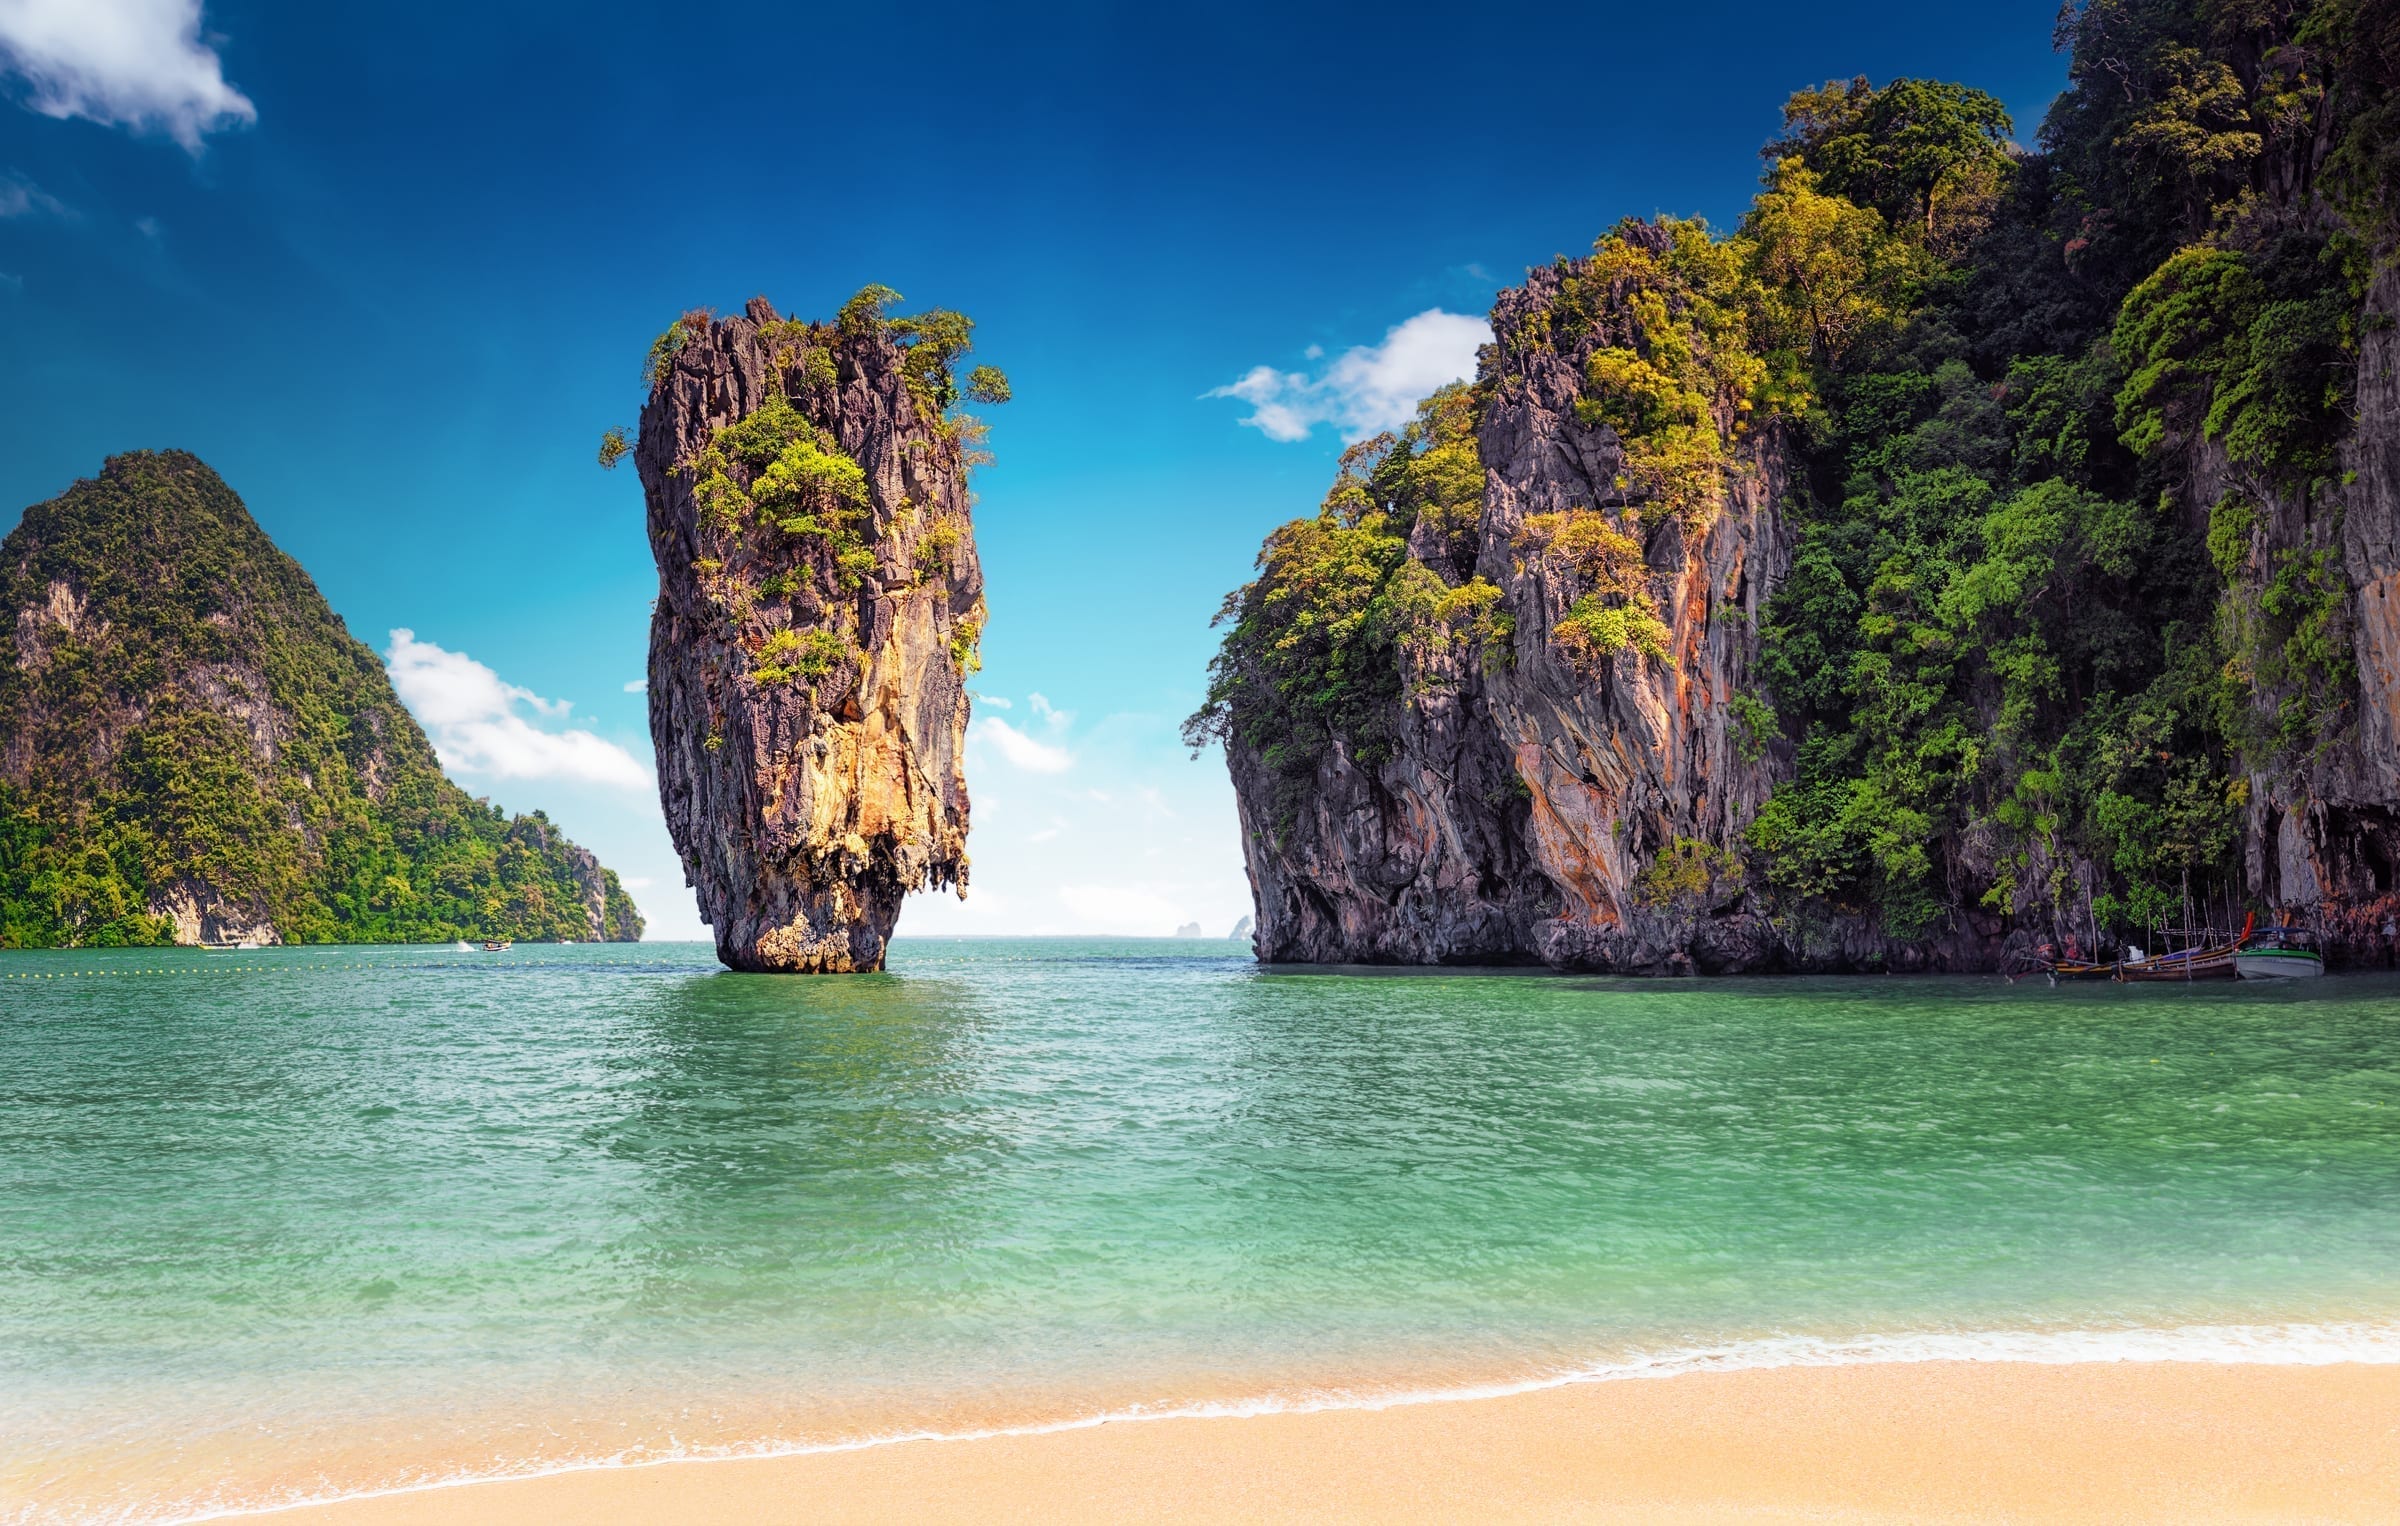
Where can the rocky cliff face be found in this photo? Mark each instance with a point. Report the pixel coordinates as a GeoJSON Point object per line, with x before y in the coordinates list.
{"type": "Point", "coordinates": [1533, 783]}
{"type": "Point", "coordinates": [2323, 832]}
{"type": "Point", "coordinates": [193, 749]}
{"type": "Point", "coordinates": [1582, 800]}
{"type": "Point", "coordinates": [819, 608]}
{"type": "Point", "coordinates": [1998, 549]}
{"type": "Point", "coordinates": [1625, 757]}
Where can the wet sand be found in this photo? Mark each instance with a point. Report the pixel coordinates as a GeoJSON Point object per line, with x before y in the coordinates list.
{"type": "Point", "coordinates": [1933, 1441]}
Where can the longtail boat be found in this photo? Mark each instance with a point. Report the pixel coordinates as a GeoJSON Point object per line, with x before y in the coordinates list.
{"type": "Point", "coordinates": [2069, 969]}
{"type": "Point", "coordinates": [2212, 963]}
{"type": "Point", "coordinates": [2207, 961]}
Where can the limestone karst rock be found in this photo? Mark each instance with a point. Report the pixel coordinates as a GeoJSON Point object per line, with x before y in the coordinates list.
{"type": "Point", "coordinates": [819, 609]}
{"type": "Point", "coordinates": [1518, 782]}
{"type": "Point", "coordinates": [1505, 699]}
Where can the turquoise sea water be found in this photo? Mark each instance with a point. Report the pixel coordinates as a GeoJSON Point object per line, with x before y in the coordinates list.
{"type": "Point", "coordinates": [307, 1222]}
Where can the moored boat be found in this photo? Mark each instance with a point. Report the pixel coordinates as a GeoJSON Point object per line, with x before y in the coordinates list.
{"type": "Point", "coordinates": [2069, 969]}
{"type": "Point", "coordinates": [2210, 957]}
{"type": "Point", "coordinates": [2215, 962]}
{"type": "Point", "coordinates": [2022, 955]}
{"type": "Point", "coordinates": [2281, 953]}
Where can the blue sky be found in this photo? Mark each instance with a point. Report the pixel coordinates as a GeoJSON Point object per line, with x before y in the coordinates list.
{"type": "Point", "coordinates": [391, 270]}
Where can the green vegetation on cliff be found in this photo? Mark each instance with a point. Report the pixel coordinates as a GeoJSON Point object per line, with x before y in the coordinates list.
{"type": "Point", "coordinates": [2019, 634]}
{"type": "Point", "coordinates": [1341, 620]}
{"type": "Point", "coordinates": [186, 725]}
{"type": "Point", "coordinates": [775, 476]}
{"type": "Point", "coordinates": [2060, 425]}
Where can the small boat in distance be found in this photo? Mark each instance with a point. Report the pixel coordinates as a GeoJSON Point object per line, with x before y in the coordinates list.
{"type": "Point", "coordinates": [497, 945]}
{"type": "Point", "coordinates": [2281, 953]}
{"type": "Point", "coordinates": [232, 948]}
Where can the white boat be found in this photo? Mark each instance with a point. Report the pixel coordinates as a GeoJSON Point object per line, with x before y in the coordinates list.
{"type": "Point", "coordinates": [233, 948]}
{"type": "Point", "coordinates": [2278, 963]}
{"type": "Point", "coordinates": [2276, 958]}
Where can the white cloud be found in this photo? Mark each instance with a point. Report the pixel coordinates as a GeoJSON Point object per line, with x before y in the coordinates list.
{"type": "Point", "coordinates": [477, 726]}
{"type": "Point", "coordinates": [1020, 746]}
{"type": "Point", "coordinates": [995, 701]}
{"type": "Point", "coordinates": [1025, 752]}
{"type": "Point", "coordinates": [638, 686]}
{"type": "Point", "coordinates": [1367, 388]}
{"type": "Point", "coordinates": [142, 64]}
{"type": "Point", "coordinates": [1055, 718]}
{"type": "Point", "coordinates": [20, 197]}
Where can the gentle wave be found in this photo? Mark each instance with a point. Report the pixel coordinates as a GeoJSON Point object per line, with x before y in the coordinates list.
{"type": "Point", "coordinates": [2288, 1345]}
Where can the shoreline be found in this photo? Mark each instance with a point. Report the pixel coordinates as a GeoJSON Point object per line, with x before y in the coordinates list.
{"type": "Point", "coordinates": [1923, 1438]}
{"type": "Point", "coordinates": [2362, 1346]}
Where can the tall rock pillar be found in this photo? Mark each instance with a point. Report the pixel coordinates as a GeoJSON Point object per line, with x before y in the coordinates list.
{"type": "Point", "coordinates": [819, 609]}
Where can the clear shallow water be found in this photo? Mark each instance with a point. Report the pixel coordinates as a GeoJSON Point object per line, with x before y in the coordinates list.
{"type": "Point", "coordinates": [303, 1222]}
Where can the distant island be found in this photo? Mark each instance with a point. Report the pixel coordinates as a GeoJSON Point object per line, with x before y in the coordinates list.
{"type": "Point", "coordinates": [1974, 543]}
{"type": "Point", "coordinates": [194, 749]}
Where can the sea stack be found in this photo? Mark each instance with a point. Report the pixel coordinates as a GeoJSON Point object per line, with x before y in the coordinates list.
{"type": "Point", "coordinates": [819, 609]}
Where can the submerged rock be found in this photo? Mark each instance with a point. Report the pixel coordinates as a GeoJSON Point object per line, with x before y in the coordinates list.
{"type": "Point", "coordinates": [819, 610]}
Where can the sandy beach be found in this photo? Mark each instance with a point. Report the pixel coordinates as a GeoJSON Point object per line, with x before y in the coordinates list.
{"type": "Point", "coordinates": [1934, 1441]}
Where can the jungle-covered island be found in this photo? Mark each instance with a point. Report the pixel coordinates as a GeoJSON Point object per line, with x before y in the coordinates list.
{"type": "Point", "coordinates": [1976, 540]}
{"type": "Point", "coordinates": [194, 749]}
